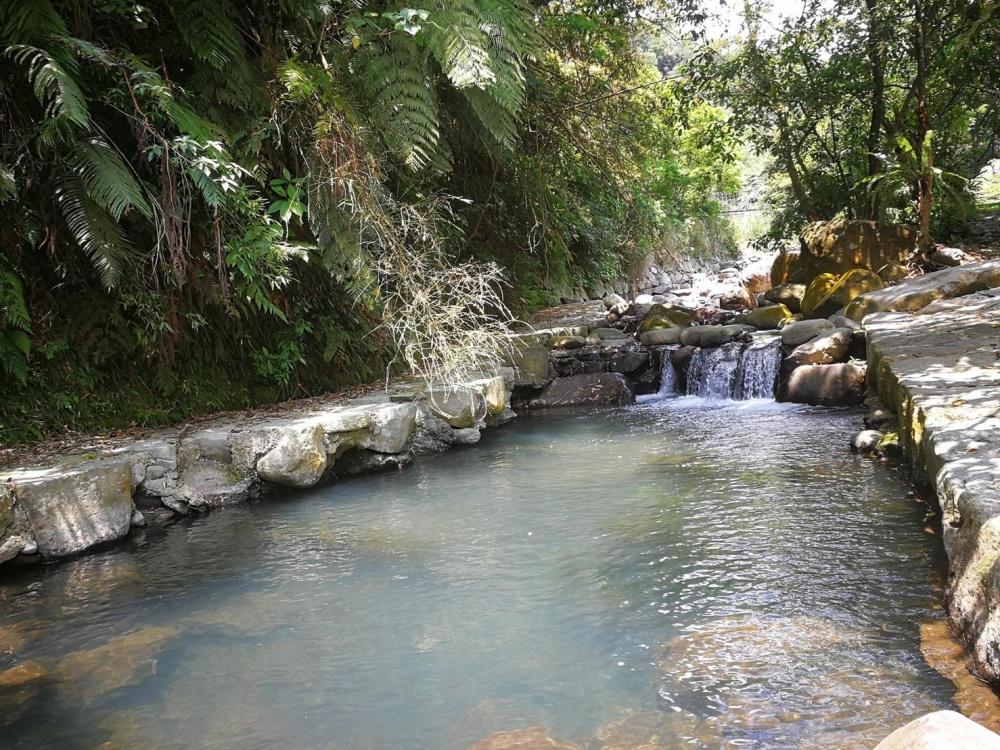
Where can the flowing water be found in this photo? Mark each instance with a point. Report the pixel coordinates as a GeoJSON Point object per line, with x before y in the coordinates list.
{"type": "Point", "coordinates": [679, 573]}
{"type": "Point", "coordinates": [735, 371]}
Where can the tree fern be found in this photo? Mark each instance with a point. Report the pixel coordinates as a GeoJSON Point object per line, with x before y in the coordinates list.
{"type": "Point", "coordinates": [92, 228]}
{"type": "Point", "coordinates": [393, 74]}
{"type": "Point", "coordinates": [30, 22]}
{"type": "Point", "coordinates": [209, 30]}
{"type": "Point", "coordinates": [54, 87]}
{"type": "Point", "coordinates": [456, 38]}
{"type": "Point", "coordinates": [107, 179]}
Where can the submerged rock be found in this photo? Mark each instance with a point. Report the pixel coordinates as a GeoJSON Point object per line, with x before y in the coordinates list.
{"type": "Point", "coordinates": [865, 441]}
{"type": "Point", "coordinates": [658, 730]}
{"type": "Point", "coordinates": [951, 660]}
{"type": "Point", "coordinates": [533, 738]}
{"type": "Point", "coordinates": [123, 661]}
{"type": "Point", "coordinates": [20, 688]}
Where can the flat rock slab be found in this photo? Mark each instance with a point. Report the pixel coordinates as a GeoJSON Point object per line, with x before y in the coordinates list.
{"type": "Point", "coordinates": [917, 293]}
{"type": "Point", "coordinates": [76, 506]}
{"type": "Point", "coordinates": [939, 371]}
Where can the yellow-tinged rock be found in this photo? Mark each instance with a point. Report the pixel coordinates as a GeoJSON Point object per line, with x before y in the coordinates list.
{"type": "Point", "coordinates": [817, 292]}
{"type": "Point", "coordinates": [768, 317]}
{"type": "Point", "coordinates": [655, 323]}
{"type": "Point", "coordinates": [784, 267]}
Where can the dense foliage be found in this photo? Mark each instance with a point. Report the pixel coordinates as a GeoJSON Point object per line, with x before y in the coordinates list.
{"type": "Point", "coordinates": [881, 109]}
{"type": "Point", "coordinates": [200, 202]}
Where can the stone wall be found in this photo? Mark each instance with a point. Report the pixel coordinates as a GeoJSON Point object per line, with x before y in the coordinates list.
{"type": "Point", "coordinates": [938, 369]}
{"type": "Point", "coordinates": [77, 502]}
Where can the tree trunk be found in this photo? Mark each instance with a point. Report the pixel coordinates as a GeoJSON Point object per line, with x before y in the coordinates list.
{"type": "Point", "coordinates": [925, 183]}
{"type": "Point", "coordinates": [871, 208]}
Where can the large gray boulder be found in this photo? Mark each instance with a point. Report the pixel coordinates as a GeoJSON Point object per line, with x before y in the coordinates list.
{"type": "Point", "coordinates": [601, 388]}
{"type": "Point", "coordinates": [941, 730]}
{"type": "Point", "coordinates": [73, 507]}
{"type": "Point", "coordinates": [712, 335]}
{"type": "Point", "coordinates": [825, 385]}
{"type": "Point", "coordinates": [801, 331]}
{"type": "Point", "coordinates": [825, 349]}
{"type": "Point", "coordinates": [298, 459]}
{"type": "Point", "coordinates": [661, 336]}
{"type": "Point", "coordinates": [15, 531]}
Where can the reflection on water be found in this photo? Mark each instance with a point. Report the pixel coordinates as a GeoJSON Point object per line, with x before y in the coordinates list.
{"type": "Point", "coordinates": [679, 573]}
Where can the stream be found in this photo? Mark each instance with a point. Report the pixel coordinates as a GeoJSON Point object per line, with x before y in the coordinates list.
{"type": "Point", "coordinates": [678, 573]}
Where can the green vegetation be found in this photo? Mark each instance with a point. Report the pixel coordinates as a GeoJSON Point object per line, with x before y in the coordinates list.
{"type": "Point", "coordinates": [200, 202]}
{"type": "Point", "coordinates": [848, 99]}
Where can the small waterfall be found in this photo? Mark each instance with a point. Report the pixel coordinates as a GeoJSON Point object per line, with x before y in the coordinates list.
{"type": "Point", "coordinates": [668, 375]}
{"type": "Point", "coordinates": [735, 371]}
{"type": "Point", "coordinates": [759, 370]}
{"type": "Point", "coordinates": [712, 372]}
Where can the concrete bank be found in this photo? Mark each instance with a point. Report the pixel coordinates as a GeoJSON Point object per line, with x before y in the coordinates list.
{"type": "Point", "coordinates": [934, 360]}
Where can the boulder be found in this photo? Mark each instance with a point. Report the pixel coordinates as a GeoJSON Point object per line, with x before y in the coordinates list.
{"type": "Point", "coordinates": [947, 256]}
{"type": "Point", "coordinates": [602, 388]}
{"type": "Point", "coordinates": [841, 245]}
{"type": "Point", "coordinates": [531, 364]}
{"type": "Point", "coordinates": [941, 730]}
{"type": "Point", "coordinates": [825, 385]}
{"type": "Point", "coordinates": [567, 342]}
{"type": "Point", "coordinates": [801, 331]}
{"type": "Point", "coordinates": [612, 300]}
{"type": "Point", "coordinates": [827, 295]}
{"type": "Point", "coordinates": [789, 295]}
{"type": "Point", "coordinates": [842, 321]}
{"type": "Point", "coordinates": [917, 293]}
{"type": "Point", "coordinates": [737, 299]}
{"type": "Point", "coordinates": [605, 334]}
{"type": "Point", "coordinates": [459, 406]}
{"type": "Point", "coordinates": [865, 441]}
{"type": "Point", "coordinates": [15, 530]}
{"type": "Point", "coordinates": [299, 458]}
{"type": "Point", "coordinates": [709, 336]}
{"type": "Point", "coordinates": [785, 268]}
{"type": "Point", "coordinates": [890, 273]}
{"type": "Point", "coordinates": [655, 323]}
{"type": "Point", "coordinates": [661, 336]}
{"type": "Point", "coordinates": [769, 317]}
{"type": "Point", "coordinates": [676, 315]}
{"type": "Point", "coordinates": [73, 507]}
{"type": "Point", "coordinates": [825, 349]}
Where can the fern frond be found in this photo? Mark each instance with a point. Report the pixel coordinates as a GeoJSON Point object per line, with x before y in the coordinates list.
{"type": "Point", "coordinates": [496, 120]}
{"type": "Point", "coordinates": [55, 89]}
{"type": "Point", "coordinates": [460, 46]}
{"type": "Point", "coordinates": [107, 179]}
{"type": "Point", "coordinates": [93, 229]}
{"type": "Point", "coordinates": [30, 22]}
{"type": "Point", "coordinates": [209, 30]}
{"type": "Point", "coordinates": [393, 74]}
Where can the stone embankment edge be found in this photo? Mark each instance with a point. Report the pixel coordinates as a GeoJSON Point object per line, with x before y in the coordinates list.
{"type": "Point", "coordinates": [78, 502]}
{"type": "Point", "coordinates": [938, 369]}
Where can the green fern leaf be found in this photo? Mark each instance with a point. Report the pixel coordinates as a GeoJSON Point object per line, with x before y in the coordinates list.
{"type": "Point", "coordinates": [54, 88]}
{"type": "Point", "coordinates": [108, 180]}
{"type": "Point", "coordinates": [93, 229]}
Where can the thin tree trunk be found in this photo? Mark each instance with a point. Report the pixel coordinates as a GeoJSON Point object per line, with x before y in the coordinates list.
{"type": "Point", "coordinates": [925, 183]}
{"type": "Point", "coordinates": [877, 63]}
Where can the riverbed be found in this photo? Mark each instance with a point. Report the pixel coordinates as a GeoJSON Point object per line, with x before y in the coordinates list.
{"type": "Point", "coordinates": [677, 573]}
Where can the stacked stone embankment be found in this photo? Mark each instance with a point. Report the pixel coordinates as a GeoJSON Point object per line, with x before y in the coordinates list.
{"type": "Point", "coordinates": [75, 502]}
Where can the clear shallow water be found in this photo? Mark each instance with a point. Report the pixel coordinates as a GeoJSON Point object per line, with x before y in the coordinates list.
{"type": "Point", "coordinates": [679, 573]}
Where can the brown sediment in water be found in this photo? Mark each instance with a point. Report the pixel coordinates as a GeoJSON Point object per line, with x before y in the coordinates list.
{"type": "Point", "coordinates": [946, 654]}
{"type": "Point", "coordinates": [657, 730]}
{"type": "Point", "coordinates": [20, 687]}
{"type": "Point", "coordinates": [532, 738]}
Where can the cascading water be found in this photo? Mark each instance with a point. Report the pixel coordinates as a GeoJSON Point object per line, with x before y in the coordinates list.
{"type": "Point", "coordinates": [712, 372]}
{"type": "Point", "coordinates": [735, 371]}
{"type": "Point", "coordinates": [759, 367]}
{"type": "Point", "coordinates": [668, 375]}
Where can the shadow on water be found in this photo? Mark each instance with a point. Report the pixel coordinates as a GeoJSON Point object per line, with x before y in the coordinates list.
{"type": "Point", "coordinates": [680, 573]}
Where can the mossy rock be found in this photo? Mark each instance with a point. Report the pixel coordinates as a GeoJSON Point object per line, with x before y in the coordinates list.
{"type": "Point", "coordinates": [892, 272]}
{"type": "Point", "coordinates": [655, 323]}
{"type": "Point", "coordinates": [889, 446]}
{"type": "Point", "coordinates": [816, 293]}
{"type": "Point", "coordinates": [768, 317]}
{"type": "Point", "coordinates": [674, 314]}
{"type": "Point", "coordinates": [784, 268]}
{"type": "Point", "coordinates": [828, 293]}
